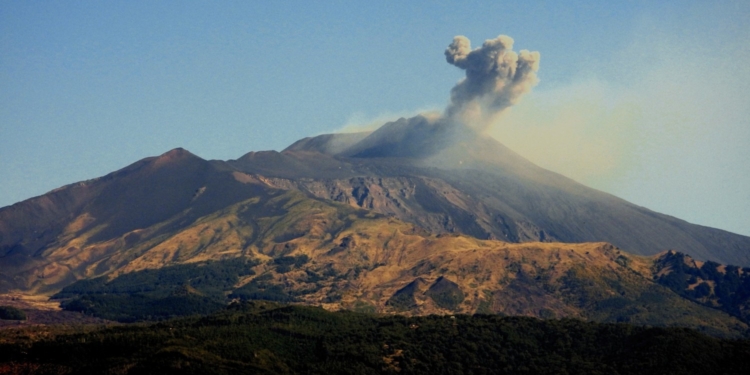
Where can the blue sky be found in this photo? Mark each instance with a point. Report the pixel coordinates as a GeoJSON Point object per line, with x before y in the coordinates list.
{"type": "Point", "coordinates": [647, 100]}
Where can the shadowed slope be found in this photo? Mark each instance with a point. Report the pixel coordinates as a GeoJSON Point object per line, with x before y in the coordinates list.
{"type": "Point", "coordinates": [43, 240]}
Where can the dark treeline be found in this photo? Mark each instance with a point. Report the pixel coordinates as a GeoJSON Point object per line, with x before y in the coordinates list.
{"type": "Point", "coordinates": [11, 313]}
{"type": "Point", "coordinates": [265, 338]}
{"type": "Point", "coordinates": [158, 294]}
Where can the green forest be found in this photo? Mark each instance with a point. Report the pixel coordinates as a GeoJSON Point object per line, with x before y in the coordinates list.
{"type": "Point", "coordinates": [11, 313]}
{"type": "Point", "coordinates": [157, 294]}
{"type": "Point", "coordinates": [269, 338]}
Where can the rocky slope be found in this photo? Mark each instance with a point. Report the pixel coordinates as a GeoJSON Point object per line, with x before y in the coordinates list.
{"type": "Point", "coordinates": [474, 185]}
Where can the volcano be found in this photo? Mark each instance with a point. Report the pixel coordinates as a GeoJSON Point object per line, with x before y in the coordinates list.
{"type": "Point", "coordinates": [416, 217]}
{"type": "Point", "coordinates": [438, 177]}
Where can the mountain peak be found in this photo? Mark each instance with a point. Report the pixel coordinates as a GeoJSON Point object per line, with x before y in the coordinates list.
{"type": "Point", "coordinates": [173, 156]}
{"type": "Point", "coordinates": [415, 137]}
{"type": "Point", "coordinates": [176, 153]}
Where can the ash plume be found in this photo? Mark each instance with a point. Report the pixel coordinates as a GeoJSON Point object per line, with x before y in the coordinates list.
{"type": "Point", "coordinates": [496, 78]}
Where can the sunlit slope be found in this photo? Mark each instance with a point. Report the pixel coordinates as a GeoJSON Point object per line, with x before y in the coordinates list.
{"type": "Point", "coordinates": [389, 267]}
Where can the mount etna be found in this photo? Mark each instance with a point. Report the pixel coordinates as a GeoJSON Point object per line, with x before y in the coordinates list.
{"type": "Point", "coordinates": [424, 215]}
{"type": "Point", "coordinates": [375, 222]}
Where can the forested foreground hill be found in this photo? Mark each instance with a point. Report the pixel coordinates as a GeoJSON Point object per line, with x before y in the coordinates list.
{"type": "Point", "coordinates": [264, 338]}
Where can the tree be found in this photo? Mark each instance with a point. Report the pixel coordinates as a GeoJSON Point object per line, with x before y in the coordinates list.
{"type": "Point", "coordinates": [11, 313]}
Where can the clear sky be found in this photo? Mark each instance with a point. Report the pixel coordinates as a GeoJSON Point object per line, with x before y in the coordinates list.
{"type": "Point", "coordinates": [647, 100]}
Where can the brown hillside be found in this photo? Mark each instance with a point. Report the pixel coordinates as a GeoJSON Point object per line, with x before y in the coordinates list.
{"type": "Point", "coordinates": [357, 259]}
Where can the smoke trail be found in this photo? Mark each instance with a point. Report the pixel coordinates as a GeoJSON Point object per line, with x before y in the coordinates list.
{"type": "Point", "coordinates": [496, 78]}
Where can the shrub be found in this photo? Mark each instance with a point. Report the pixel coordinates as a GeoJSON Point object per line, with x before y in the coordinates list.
{"type": "Point", "coordinates": [11, 313]}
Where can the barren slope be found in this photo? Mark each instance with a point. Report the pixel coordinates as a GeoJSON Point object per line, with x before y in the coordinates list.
{"type": "Point", "coordinates": [476, 186]}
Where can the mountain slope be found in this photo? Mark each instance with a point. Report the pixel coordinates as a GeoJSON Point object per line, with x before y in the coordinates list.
{"type": "Point", "coordinates": [86, 228]}
{"type": "Point", "coordinates": [178, 210]}
{"type": "Point", "coordinates": [317, 253]}
{"type": "Point", "coordinates": [472, 184]}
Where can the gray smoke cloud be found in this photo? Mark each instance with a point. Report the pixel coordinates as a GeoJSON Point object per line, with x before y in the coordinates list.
{"type": "Point", "coordinates": [496, 78]}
